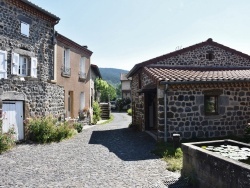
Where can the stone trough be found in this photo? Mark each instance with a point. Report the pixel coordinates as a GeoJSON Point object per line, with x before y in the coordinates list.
{"type": "Point", "coordinates": [211, 169]}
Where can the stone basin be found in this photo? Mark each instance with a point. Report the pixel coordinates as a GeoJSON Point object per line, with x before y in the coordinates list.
{"type": "Point", "coordinates": [210, 169]}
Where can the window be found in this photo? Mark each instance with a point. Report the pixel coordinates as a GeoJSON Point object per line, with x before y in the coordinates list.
{"type": "Point", "coordinates": [24, 65]}
{"type": "Point", "coordinates": [66, 62]}
{"type": "Point", "coordinates": [211, 104]}
{"type": "Point", "coordinates": [82, 101]}
{"type": "Point", "coordinates": [25, 29]}
{"type": "Point", "coordinates": [82, 72]}
{"type": "Point", "coordinates": [210, 56]}
{"type": "Point", "coordinates": [3, 64]}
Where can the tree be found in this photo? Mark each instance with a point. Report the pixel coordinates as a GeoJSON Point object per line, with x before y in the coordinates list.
{"type": "Point", "coordinates": [107, 91]}
{"type": "Point", "coordinates": [119, 90]}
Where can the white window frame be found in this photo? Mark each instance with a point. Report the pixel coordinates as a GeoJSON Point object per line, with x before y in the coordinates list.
{"type": "Point", "coordinates": [66, 58]}
{"type": "Point", "coordinates": [82, 67]}
{"type": "Point", "coordinates": [82, 100]}
{"type": "Point", "coordinates": [21, 62]}
{"type": "Point", "coordinates": [4, 64]}
{"type": "Point", "coordinates": [17, 62]}
{"type": "Point", "coordinates": [25, 29]}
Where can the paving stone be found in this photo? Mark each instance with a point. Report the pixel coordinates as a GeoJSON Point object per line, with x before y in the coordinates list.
{"type": "Point", "coordinates": [110, 155]}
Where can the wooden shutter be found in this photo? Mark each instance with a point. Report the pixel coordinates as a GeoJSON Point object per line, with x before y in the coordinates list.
{"type": "Point", "coordinates": [33, 69]}
{"type": "Point", "coordinates": [3, 64]}
{"type": "Point", "coordinates": [15, 63]}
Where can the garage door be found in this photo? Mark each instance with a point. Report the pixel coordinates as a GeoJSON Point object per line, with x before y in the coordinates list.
{"type": "Point", "coordinates": [13, 117]}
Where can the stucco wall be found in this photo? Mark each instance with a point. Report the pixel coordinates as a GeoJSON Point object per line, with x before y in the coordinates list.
{"type": "Point", "coordinates": [73, 83]}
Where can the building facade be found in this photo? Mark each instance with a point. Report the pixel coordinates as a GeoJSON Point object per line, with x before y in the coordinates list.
{"type": "Point", "coordinates": [125, 86]}
{"type": "Point", "coordinates": [72, 70]}
{"type": "Point", "coordinates": [201, 91]}
{"type": "Point", "coordinates": [26, 64]}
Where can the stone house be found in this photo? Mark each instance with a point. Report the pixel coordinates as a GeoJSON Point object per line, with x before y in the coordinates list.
{"type": "Point", "coordinates": [26, 64]}
{"type": "Point", "coordinates": [125, 86]}
{"type": "Point", "coordinates": [200, 91]}
{"type": "Point", "coordinates": [72, 70]}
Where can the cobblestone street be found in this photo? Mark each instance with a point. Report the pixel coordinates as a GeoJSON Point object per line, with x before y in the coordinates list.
{"type": "Point", "coordinates": [108, 155]}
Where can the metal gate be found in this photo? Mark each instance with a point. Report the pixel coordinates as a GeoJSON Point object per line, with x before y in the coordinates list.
{"type": "Point", "coordinates": [13, 118]}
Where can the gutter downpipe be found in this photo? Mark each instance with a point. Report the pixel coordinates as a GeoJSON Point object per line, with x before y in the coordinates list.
{"type": "Point", "coordinates": [165, 114]}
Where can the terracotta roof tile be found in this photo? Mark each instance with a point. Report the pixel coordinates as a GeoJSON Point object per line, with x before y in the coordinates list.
{"type": "Point", "coordinates": [197, 74]}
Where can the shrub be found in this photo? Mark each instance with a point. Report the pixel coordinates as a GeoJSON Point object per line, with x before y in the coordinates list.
{"type": "Point", "coordinates": [120, 103]}
{"type": "Point", "coordinates": [78, 127]}
{"type": "Point", "coordinates": [46, 130]}
{"type": "Point", "coordinates": [129, 111]}
{"type": "Point", "coordinates": [7, 140]}
{"type": "Point", "coordinates": [172, 156]}
{"type": "Point", "coordinates": [96, 112]}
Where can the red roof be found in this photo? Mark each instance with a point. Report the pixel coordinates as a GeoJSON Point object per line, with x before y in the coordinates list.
{"type": "Point", "coordinates": [181, 51]}
{"type": "Point", "coordinates": [197, 74]}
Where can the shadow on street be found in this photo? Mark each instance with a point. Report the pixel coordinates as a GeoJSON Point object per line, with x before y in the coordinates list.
{"type": "Point", "coordinates": [127, 144]}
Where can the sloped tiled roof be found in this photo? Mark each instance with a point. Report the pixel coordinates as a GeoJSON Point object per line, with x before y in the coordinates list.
{"type": "Point", "coordinates": [197, 74]}
{"type": "Point", "coordinates": [70, 42]}
{"type": "Point", "coordinates": [181, 51]}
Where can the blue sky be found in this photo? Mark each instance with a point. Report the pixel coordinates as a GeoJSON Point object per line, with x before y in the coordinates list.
{"type": "Point", "coordinates": [122, 33]}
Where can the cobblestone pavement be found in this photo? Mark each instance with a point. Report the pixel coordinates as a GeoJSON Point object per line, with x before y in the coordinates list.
{"type": "Point", "coordinates": [108, 155]}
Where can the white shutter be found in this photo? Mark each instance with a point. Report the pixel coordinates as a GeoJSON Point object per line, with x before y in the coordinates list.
{"type": "Point", "coordinates": [33, 69]}
{"type": "Point", "coordinates": [82, 65]}
{"type": "Point", "coordinates": [15, 63]}
{"type": "Point", "coordinates": [82, 101]}
{"type": "Point", "coordinates": [67, 58]}
{"type": "Point", "coordinates": [3, 64]}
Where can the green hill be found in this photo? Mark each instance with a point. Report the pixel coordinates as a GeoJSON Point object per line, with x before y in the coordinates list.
{"type": "Point", "coordinates": [112, 75]}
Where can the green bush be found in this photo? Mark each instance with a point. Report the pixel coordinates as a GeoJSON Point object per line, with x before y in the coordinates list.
{"type": "Point", "coordinates": [96, 112]}
{"type": "Point", "coordinates": [46, 130]}
{"type": "Point", "coordinates": [129, 111]}
{"type": "Point", "coordinates": [7, 140]}
{"type": "Point", "coordinates": [78, 127]}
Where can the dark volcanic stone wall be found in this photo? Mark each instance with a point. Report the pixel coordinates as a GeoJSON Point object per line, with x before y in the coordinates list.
{"type": "Point", "coordinates": [185, 113]}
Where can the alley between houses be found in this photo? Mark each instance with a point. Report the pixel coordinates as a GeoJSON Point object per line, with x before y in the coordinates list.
{"type": "Point", "coordinates": [109, 155]}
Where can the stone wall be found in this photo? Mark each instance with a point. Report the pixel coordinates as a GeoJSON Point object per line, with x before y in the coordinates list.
{"type": "Point", "coordinates": [197, 57]}
{"type": "Point", "coordinates": [207, 169]}
{"type": "Point", "coordinates": [41, 98]}
{"type": "Point", "coordinates": [185, 112]}
{"type": "Point", "coordinates": [39, 44]}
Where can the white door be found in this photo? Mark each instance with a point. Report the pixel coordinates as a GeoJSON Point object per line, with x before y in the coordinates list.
{"type": "Point", "coordinates": [13, 117]}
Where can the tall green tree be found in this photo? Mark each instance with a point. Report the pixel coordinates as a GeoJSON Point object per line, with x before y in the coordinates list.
{"type": "Point", "coordinates": [108, 92]}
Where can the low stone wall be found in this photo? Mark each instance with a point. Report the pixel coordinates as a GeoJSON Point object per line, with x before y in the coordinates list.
{"type": "Point", "coordinates": [207, 169]}
{"type": "Point", "coordinates": [41, 98]}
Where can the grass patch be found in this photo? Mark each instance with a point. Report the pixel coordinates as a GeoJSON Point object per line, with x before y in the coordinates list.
{"type": "Point", "coordinates": [108, 120]}
{"type": "Point", "coordinates": [172, 156]}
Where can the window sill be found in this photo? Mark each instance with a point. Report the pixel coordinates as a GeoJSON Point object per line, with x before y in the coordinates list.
{"type": "Point", "coordinates": [212, 117]}
{"type": "Point", "coordinates": [82, 79]}
{"type": "Point", "coordinates": [65, 75]}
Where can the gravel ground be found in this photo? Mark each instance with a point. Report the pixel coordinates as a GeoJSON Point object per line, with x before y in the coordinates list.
{"type": "Point", "coordinates": [108, 155]}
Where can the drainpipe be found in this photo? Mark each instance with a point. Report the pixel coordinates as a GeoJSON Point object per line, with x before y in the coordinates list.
{"type": "Point", "coordinates": [165, 113]}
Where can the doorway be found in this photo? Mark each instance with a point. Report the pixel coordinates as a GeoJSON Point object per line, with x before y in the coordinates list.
{"type": "Point", "coordinates": [13, 118]}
